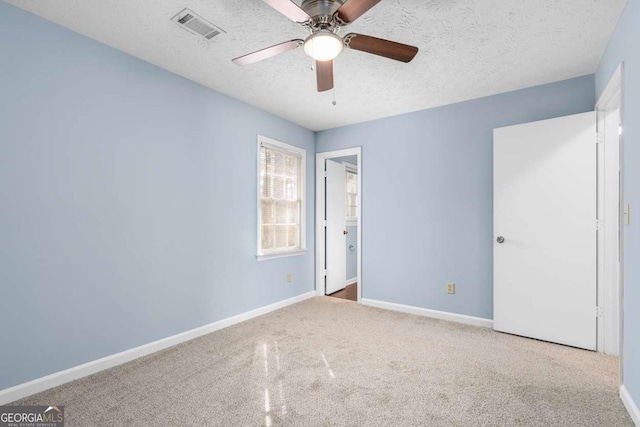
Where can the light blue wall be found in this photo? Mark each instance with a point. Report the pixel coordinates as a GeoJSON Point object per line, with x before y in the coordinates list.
{"type": "Point", "coordinates": [347, 159]}
{"type": "Point", "coordinates": [128, 202]}
{"type": "Point", "coordinates": [352, 255]}
{"type": "Point", "coordinates": [427, 195]}
{"type": "Point", "coordinates": [623, 46]}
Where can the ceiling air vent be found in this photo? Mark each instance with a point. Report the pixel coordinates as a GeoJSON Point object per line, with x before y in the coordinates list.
{"type": "Point", "coordinates": [196, 24]}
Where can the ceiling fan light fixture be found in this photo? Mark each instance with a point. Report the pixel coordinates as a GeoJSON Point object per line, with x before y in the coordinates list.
{"type": "Point", "coordinates": [323, 45]}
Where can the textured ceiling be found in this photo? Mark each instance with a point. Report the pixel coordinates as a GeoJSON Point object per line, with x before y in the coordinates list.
{"type": "Point", "coordinates": [468, 49]}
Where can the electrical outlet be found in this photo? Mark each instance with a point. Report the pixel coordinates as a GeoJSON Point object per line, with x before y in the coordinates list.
{"type": "Point", "coordinates": [288, 277]}
{"type": "Point", "coordinates": [451, 288]}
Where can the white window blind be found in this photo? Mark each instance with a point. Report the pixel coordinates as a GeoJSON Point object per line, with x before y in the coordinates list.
{"type": "Point", "coordinates": [281, 198]}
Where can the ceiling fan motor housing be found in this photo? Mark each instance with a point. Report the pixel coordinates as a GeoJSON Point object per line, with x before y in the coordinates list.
{"type": "Point", "coordinates": [321, 8]}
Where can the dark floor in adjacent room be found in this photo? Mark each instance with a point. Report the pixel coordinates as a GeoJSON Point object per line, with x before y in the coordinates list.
{"type": "Point", "coordinates": [350, 293]}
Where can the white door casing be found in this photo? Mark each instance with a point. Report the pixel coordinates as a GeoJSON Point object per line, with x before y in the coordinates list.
{"type": "Point", "coordinates": [336, 211]}
{"type": "Point", "coordinates": [611, 230]}
{"type": "Point", "coordinates": [320, 243]}
{"type": "Point", "coordinates": [545, 208]}
{"type": "Point", "coordinates": [610, 189]}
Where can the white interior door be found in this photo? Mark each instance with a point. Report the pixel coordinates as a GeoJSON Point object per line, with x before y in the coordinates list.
{"type": "Point", "coordinates": [545, 216]}
{"type": "Point", "coordinates": [336, 239]}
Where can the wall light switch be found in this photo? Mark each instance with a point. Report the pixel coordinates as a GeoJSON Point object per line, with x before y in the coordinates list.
{"type": "Point", "coordinates": [627, 214]}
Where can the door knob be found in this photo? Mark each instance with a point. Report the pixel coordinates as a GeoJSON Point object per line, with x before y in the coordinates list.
{"type": "Point", "coordinates": [500, 239]}
{"type": "Point", "coordinates": [345, 232]}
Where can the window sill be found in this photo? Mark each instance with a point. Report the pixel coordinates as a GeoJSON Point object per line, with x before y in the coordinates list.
{"type": "Point", "coordinates": [264, 257]}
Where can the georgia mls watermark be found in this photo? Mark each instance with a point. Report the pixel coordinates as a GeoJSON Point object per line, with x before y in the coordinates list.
{"type": "Point", "coordinates": [31, 416]}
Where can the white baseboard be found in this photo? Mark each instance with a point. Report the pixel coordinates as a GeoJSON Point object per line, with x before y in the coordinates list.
{"type": "Point", "coordinates": [351, 281]}
{"type": "Point", "coordinates": [442, 315]}
{"type": "Point", "coordinates": [41, 384]}
{"type": "Point", "coordinates": [631, 406]}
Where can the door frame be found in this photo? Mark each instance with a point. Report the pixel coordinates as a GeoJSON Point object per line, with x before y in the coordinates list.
{"type": "Point", "coordinates": [611, 100]}
{"type": "Point", "coordinates": [320, 211]}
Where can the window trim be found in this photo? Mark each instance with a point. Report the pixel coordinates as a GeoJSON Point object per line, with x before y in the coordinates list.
{"type": "Point", "coordinates": [291, 149]}
{"type": "Point", "coordinates": [352, 221]}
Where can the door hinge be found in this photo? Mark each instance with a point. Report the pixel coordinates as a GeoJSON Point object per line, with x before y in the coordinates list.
{"type": "Point", "coordinates": [325, 272]}
{"type": "Point", "coordinates": [324, 222]}
{"type": "Point", "coordinates": [324, 174]}
{"type": "Point", "coordinates": [599, 311]}
{"type": "Point", "coordinates": [599, 224]}
{"type": "Point", "coordinates": [600, 138]}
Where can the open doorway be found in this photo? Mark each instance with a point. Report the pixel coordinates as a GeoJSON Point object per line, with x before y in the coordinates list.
{"type": "Point", "coordinates": [338, 219]}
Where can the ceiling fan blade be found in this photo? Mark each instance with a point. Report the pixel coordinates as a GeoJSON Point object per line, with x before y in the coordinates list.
{"type": "Point", "coordinates": [289, 9]}
{"type": "Point", "coordinates": [354, 9]}
{"type": "Point", "coordinates": [381, 47]}
{"type": "Point", "coordinates": [324, 75]}
{"type": "Point", "coordinates": [268, 52]}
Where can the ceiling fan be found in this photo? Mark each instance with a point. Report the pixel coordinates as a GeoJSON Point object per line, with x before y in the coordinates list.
{"type": "Point", "coordinates": [323, 19]}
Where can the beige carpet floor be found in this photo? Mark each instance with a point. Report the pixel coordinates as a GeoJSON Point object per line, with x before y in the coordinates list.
{"type": "Point", "coordinates": [330, 362]}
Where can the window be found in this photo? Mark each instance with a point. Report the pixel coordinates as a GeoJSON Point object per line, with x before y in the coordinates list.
{"type": "Point", "coordinates": [351, 191]}
{"type": "Point", "coordinates": [281, 207]}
